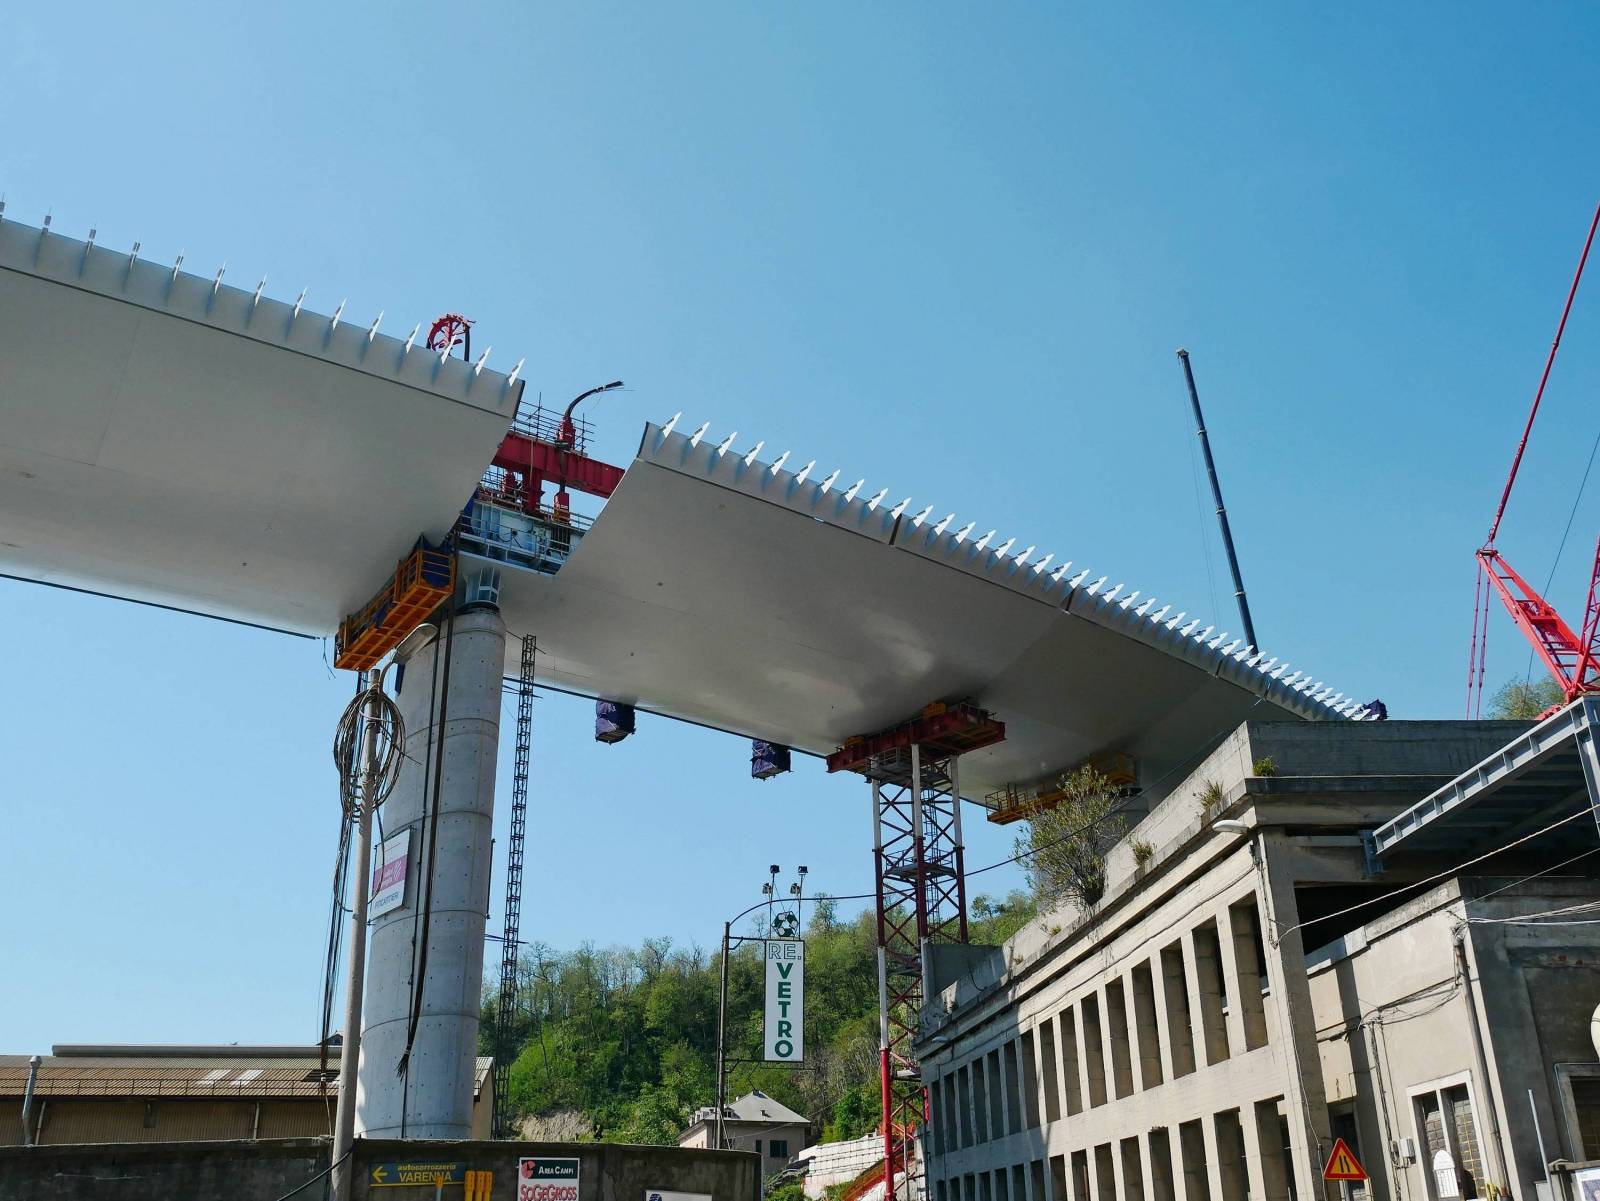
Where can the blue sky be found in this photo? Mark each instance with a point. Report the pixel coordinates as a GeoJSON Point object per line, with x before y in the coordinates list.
{"type": "Point", "coordinates": [949, 248]}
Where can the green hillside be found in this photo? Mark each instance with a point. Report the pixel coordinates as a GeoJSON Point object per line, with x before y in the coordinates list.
{"type": "Point", "coordinates": [627, 1038]}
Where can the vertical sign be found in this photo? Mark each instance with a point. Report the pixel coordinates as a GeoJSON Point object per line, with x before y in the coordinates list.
{"type": "Point", "coordinates": [786, 1000]}
{"type": "Point", "coordinates": [389, 874]}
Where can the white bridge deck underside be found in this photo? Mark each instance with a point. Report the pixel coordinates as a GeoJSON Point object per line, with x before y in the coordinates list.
{"type": "Point", "coordinates": [168, 441]}
{"type": "Point", "coordinates": [726, 596]}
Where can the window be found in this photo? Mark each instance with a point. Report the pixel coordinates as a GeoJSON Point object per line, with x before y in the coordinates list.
{"type": "Point", "coordinates": [758, 1146]}
{"type": "Point", "coordinates": [1586, 1108]}
{"type": "Point", "coordinates": [778, 1148]}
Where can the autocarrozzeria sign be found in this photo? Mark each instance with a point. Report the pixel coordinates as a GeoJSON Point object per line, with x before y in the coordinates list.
{"type": "Point", "coordinates": [546, 1178]}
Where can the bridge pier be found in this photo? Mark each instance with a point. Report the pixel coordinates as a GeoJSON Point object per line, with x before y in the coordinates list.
{"type": "Point", "coordinates": [425, 957]}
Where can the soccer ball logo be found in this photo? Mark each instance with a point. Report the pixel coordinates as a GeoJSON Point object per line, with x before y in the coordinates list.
{"type": "Point", "coordinates": [786, 925]}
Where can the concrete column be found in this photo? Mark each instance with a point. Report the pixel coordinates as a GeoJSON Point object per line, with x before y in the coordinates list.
{"type": "Point", "coordinates": [1208, 1132]}
{"type": "Point", "coordinates": [1227, 963]}
{"type": "Point", "coordinates": [432, 1097]}
{"type": "Point", "coordinates": [1269, 1179]}
{"type": "Point", "coordinates": [1306, 1102]}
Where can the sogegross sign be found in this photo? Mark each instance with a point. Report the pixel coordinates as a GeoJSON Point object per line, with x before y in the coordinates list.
{"type": "Point", "coordinates": [543, 1178]}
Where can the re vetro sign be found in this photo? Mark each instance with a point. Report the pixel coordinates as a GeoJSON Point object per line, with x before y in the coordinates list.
{"type": "Point", "coordinates": [786, 1004]}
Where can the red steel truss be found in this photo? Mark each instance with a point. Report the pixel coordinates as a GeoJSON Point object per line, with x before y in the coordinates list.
{"type": "Point", "coordinates": [922, 895]}
{"type": "Point", "coordinates": [922, 898]}
{"type": "Point", "coordinates": [1573, 659]}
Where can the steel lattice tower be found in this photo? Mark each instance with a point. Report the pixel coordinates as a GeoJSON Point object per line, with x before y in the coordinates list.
{"type": "Point", "coordinates": [506, 1006]}
{"type": "Point", "coordinates": [916, 805]}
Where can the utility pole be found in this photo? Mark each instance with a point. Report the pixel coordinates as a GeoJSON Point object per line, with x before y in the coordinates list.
{"type": "Point", "coordinates": [350, 1053]}
{"type": "Point", "coordinates": [1222, 513]}
{"type": "Point", "coordinates": [722, 1035]}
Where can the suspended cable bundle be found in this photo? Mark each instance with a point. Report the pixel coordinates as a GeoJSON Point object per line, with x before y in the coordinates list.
{"type": "Point", "coordinates": [387, 727]}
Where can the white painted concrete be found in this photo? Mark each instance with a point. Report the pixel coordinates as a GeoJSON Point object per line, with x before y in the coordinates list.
{"type": "Point", "coordinates": [432, 1096]}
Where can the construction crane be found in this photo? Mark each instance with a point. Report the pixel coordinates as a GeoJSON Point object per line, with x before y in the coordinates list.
{"type": "Point", "coordinates": [1573, 659]}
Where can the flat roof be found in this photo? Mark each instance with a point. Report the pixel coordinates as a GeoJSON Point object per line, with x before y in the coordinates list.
{"type": "Point", "coordinates": [170, 438]}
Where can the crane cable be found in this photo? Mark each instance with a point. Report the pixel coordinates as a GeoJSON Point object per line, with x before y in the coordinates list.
{"type": "Point", "coordinates": [1550, 362]}
{"type": "Point", "coordinates": [1479, 654]}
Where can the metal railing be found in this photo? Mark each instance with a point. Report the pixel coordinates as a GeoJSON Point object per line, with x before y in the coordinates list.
{"type": "Point", "coordinates": [496, 527]}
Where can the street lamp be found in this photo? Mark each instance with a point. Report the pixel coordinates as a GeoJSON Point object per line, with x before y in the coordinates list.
{"type": "Point", "coordinates": [769, 891]}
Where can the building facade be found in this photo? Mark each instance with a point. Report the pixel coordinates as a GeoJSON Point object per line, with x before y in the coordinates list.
{"type": "Point", "coordinates": [134, 1094]}
{"type": "Point", "coordinates": [1240, 998]}
{"type": "Point", "coordinates": [753, 1122]}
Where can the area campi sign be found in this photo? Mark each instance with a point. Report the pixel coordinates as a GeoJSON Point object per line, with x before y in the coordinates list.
{"type": "Point", "coordinates": [544, 1178]}
{"type": "Point", "coordinates": [786, 1000]}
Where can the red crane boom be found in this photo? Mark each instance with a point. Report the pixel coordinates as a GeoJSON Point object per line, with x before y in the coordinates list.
{"type": "Point", "coordinates": [1572, 659]}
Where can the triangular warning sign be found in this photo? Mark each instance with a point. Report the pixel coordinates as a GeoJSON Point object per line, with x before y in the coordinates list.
{"type": "Point", "coordinates": [1342, 1164]}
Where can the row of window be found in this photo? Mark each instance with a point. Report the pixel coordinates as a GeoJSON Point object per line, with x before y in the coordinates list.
{"type": "Point", "coordinates": [1148, 1167]}
{"type": "Point", "coordinates": [1116, 1022]}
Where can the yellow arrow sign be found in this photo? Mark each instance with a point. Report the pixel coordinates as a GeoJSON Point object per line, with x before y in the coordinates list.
{"type": "Point", "coordinates": [379, 1174]}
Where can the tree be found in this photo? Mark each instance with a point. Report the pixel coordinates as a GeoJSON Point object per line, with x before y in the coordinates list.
{"type": "Point", "coordinates": [1064, 847]}
{"type": "Point", "coordinates": [1524, 700]}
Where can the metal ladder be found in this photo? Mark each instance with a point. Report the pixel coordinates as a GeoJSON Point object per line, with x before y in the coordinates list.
{"type": "Point", "coordinates": [506, 1007]}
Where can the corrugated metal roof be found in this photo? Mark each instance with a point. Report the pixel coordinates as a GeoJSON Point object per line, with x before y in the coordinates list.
{"type": "Point", "coordinates": [132, 1075]}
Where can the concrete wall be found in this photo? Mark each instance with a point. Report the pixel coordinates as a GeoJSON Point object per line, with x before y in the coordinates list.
{"type": "Point", "coordinates": [264, 1171]}
{"type": "Point", "coordinates": [840, 1163]}
{"type": "Point", "coordinates": [210, 1171]}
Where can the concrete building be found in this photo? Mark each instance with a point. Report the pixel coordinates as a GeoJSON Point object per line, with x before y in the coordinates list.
{"type": "Point", "coordinates": [1392, 948]}
{"type": "Point", "coordinates": [132, 1094]}
{"type": "Point", "coordinates": [754, 1122]}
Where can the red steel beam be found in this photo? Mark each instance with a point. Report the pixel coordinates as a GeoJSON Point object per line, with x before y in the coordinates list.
{"type": "Point", "coordinates": [543, 463]}
{"type": "Point", "coordinates": [941, 730]}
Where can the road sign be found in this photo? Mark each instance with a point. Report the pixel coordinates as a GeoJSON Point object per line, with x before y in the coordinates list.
{"type": "Point", "coordinates": [399, 1175]}
{"type": "Point", "coordinates": [1342, 1164]}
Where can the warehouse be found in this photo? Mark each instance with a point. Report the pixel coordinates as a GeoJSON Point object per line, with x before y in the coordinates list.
{"type": "Point", "coordinates": [138, 1094]}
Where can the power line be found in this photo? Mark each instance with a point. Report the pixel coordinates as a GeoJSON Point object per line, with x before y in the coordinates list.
{"type": "Point", "coordinates": [1434, 879]}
